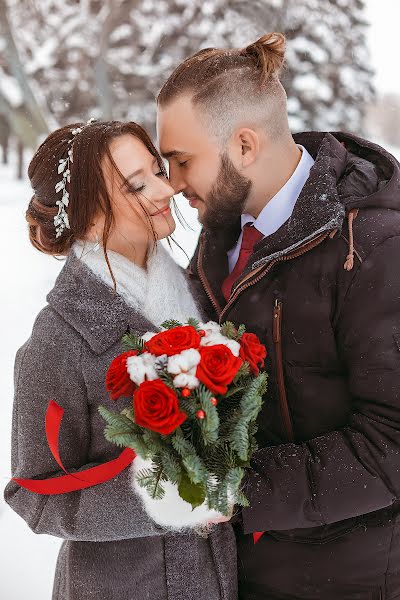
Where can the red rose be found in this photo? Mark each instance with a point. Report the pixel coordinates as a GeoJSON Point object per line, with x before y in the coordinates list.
{"type": "Point", "coordinates": [252, 351]}
{"type": "Point", "coordinates": [173, 341]}
{"type": "Point", "coordinates": [156, 407]}
{"type": "Point", "coordinates": [118, 382]}
{"type": "Point", "coordinates": [217, 367]}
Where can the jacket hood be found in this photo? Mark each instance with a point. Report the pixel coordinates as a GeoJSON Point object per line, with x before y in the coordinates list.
{"type": "Point", "coordinates": [367, 174]}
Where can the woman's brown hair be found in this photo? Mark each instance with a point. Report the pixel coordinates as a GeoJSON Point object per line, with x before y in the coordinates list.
{"type": "Point", "coordinates": [87, 188]}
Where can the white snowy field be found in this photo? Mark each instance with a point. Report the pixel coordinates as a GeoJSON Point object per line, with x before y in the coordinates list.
{"type": "Point", "coordinates": [27, 277]}
{"type": "Point", "coordinates": [28, 560]}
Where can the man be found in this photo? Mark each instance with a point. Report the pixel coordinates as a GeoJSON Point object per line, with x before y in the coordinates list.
{"type": "Point", "coordinates": [301, 243]}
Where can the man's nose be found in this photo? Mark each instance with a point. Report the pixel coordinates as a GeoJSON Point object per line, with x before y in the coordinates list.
{"type": "Point", "coordinates": [176, 179]}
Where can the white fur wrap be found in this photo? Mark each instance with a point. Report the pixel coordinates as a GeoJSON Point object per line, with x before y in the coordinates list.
{"type": "Point", "coordinates": [172, 511]}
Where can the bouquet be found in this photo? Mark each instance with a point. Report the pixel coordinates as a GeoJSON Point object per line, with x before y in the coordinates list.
{"type": "Point", "coordinates": [197, 391]}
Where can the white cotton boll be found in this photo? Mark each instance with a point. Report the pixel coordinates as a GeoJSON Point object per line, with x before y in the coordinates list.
{"type": "Point", "coordinates": [148, 335]}
{"type": "Point", "coordinates": [212, 339]}
{"type": "Point", "coordinates": [184, 362]}
{"type": "Point", "coordinates": [218, 338]}
{"type": "Point", "coordinates": [210, 327]}
{"type": "Point", "coordinates": [141, 368]}
{"type": "Point", "coordinates": [184, 380]}
{"type": "Point", "coordinates": [233, 346]}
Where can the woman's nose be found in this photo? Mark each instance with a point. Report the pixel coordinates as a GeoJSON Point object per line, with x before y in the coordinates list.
{"type": "Point", "coordinates": [165, 190]}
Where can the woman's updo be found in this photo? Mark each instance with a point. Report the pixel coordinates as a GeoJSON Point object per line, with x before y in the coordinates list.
{"type": "Point", "coordinates": [88, 194]}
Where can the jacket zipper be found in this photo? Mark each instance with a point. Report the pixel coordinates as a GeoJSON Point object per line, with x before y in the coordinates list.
{"type": "Point", "coordinates": [277, 338]}
{"type": "Point", "coordinates": [248, 281]}
{"type": "Point", "coordinates": [251, 279]}
{"type": "Point", "coordinates": [203, 279]}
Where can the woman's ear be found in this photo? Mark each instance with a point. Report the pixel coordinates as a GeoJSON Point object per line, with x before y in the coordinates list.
{"type": "Point", "coordinates": [246, 145]}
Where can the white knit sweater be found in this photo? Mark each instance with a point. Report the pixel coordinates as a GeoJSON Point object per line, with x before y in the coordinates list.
{"type": "Point", "coordinates": [159, 292]}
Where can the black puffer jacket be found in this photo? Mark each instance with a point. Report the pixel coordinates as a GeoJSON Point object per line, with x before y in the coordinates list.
{"type": "Point", "coordinates": [325, 483]}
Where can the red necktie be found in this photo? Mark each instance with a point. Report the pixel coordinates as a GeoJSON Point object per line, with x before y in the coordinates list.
{"type": "Point", "coordinates": [251, 236]}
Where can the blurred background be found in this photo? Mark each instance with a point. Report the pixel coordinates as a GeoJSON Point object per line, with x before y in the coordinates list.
{"type": "Point", "coordinates": [63, 61]}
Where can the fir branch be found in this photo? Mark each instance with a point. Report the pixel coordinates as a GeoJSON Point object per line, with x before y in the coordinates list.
{"type": "Point", "coordinates": [243, 372]}
{"type": "Point", "coordinates": [189, 406]}
{"type": "Point", "coordinates": [128, 412]}
{"type": "Point", "coordinates": [241, 499]}
{"type": "Point", "coordinates": [171, 465]}
{"type": "Point", "coordinates": [194, 323]}
{"type": "Point", "coordinates": [116, 420]}
{"type": "Point", "coordinates": [234, 390]}
{"type": "Point", "coordinates": [234, 479]}
{"type": "Point", "coordinates": [229, 330]}
{"type": "Point", "coordinates": [153, 442]}
{"type": "Point", "coordinates": [151, 480]}
{"type": "Point", "coordinates": [250, 406]}
{"type": "Point", "coordinates": [219, 459]}
{"type": "Point", "coordinates": [133, 341]}
{"type": "Point", "coordinates": [194, 467]}
{"type": "Point", "coordinates": [209, 426]}
{"type": "Point", "coordinates": [241, 330]}
{"type": "Point", "coordinates": [171, 323]}
{"type": "Point", "coordinates": [167, 378]}
{"type": "Point", "coordinates": [212, 484]}
{"type": "Point", "coordinates": [190, 459]}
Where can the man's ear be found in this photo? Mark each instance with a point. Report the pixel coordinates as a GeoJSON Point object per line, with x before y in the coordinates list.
{"type": "Point", "coordinates": [246, 144]}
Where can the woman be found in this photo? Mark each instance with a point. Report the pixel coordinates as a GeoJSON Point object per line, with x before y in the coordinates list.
{"type": "Point", "coordinates": [102, 198]}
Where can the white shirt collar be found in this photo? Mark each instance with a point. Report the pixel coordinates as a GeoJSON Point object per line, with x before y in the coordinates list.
{"type": "Point", "coordinates": [280, 207]}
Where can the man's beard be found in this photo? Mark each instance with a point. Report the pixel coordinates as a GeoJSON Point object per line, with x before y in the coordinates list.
{"type": "Point", "coordinates": [227, 197]}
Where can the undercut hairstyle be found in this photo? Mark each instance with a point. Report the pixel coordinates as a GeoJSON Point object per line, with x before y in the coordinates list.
{"type": "Point", "coordinates": [234, 87]}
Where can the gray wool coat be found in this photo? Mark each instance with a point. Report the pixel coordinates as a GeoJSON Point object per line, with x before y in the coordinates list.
{"type": "Point", "coordinates": [111, 549]}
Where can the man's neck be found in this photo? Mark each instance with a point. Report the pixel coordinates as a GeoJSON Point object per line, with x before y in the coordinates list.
{"type": "Point", "coordinates": [276, 170]}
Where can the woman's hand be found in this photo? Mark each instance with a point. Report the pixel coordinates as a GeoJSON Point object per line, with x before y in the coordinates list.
{"type": "Point", "coordinates": [221, 519]}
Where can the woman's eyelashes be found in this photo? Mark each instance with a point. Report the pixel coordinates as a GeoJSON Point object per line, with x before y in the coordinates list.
{"type": "Point", "coordinates": [136, 190]}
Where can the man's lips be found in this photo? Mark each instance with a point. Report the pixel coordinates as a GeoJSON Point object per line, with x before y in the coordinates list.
{"type": "Point", "coordinates": [193, 201]}
{"type": "Point", "coordinates": [162, 211]}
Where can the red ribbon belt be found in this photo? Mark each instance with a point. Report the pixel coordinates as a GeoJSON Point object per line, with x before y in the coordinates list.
{"type": "Point", "coordinates": [72, 482]}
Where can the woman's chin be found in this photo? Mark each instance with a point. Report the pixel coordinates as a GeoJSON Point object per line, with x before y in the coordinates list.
{"type": "Point", "coordinates": [166, 229]}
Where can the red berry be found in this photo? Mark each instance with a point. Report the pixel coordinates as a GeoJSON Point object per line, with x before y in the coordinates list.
{"type": "Point", "coordinates": [214, 401]}
{"type": "Point", "coordinates": [185, 392]}
{"type": "Point", "coordinates": [201, 414]}
{"type": "Point", "coordinates": [201, 332]}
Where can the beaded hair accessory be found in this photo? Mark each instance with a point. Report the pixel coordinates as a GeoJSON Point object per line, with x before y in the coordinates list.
{"type": "Point", "coordinates": [61, 221]}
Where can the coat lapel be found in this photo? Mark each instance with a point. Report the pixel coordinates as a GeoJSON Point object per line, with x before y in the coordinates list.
{"type": "Point", "coordinates": [93, 309]}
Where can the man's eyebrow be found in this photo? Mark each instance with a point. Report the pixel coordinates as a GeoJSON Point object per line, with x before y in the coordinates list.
{"type": "Point", "coordinates": [173, 153]}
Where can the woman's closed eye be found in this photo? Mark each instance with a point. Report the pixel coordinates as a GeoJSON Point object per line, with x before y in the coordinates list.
{"type": "Point", "coordinates": [135, 190]}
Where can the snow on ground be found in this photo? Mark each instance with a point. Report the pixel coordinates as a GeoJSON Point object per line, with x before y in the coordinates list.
{"type": "Point", "coordinates": [27, 276]}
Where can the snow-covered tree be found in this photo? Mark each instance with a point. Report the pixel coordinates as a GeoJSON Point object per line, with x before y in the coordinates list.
{"type": "Point", "coordinates": [108, 58]}
{"type": "Point", "coordinates": [329, 78]}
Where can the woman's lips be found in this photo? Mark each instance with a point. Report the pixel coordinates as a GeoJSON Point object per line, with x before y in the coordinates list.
{"type": "Point", "coordinates": [164, 211]}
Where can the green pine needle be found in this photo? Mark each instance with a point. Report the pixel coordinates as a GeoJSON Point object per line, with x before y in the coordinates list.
{"type": "Point", "coordinates": [194, 323]}
{"type": "Point", "coordinates": [170, 324]}
{"type": "Point", "coordinates": [132, 341]}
